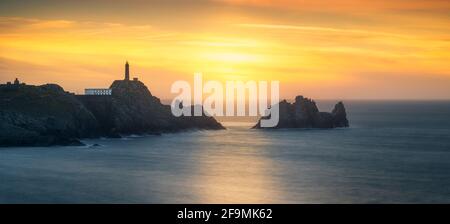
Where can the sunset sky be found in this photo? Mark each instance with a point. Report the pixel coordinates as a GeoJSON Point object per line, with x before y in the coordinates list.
{"type": "Point", "coordinates": [346, 49]}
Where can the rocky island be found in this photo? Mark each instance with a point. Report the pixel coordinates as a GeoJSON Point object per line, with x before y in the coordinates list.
{"type": "Point", "coordinates": [48, 115]}
{"type": "Point", "coordinates": [303, 113]}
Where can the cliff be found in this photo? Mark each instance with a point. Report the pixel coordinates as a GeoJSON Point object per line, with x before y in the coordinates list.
{"type": "Point", "coordinates": [47, 115]}
{"type": "Point", "coordinates": [42, 116]}
{"type": "Point", "coordinates": [303, 113]}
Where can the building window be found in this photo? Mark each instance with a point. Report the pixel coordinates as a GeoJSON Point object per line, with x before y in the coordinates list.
{"type": "Point", "coordinates": [98, 92]}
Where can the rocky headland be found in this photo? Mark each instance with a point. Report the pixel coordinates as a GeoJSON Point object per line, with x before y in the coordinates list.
{"type": "Point", "coordinates": [303, 113]}
{"type": "Point", "coordinates": [48, 115]}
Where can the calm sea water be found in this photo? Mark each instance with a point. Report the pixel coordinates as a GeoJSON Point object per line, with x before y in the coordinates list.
{"type": "Point", "coordinates": [394, 152]}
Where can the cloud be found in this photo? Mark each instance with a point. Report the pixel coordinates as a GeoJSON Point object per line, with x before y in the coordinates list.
{"type": "Point", "coordinates": [8, 24]}
{"type": "Point", "coordinates": [318, 29]}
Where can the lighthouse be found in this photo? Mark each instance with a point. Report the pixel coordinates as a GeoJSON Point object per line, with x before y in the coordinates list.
{"type": "Point", "coordinates": [127, 71]}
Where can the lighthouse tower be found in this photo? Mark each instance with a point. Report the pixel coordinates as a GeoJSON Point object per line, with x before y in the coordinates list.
{"type": "Point", "coordinates": [127, 71]}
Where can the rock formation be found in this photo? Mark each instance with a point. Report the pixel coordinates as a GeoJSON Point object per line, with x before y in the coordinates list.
{"type": "Point", "coordinates": [303, 113]}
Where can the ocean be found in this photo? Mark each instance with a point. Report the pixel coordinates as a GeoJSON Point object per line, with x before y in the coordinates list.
{"type": "Point", "coordinates": [394, 152]}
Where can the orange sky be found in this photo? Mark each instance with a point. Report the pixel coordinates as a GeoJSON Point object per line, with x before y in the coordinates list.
{"type": "Point", "coordinates": [344, 49]}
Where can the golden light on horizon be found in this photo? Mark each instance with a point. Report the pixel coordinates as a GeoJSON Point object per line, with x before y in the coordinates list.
{"type": "Point", "coordinates": [312, 48]}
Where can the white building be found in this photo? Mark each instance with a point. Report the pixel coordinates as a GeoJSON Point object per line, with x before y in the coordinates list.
{"type": "Point", "coordinates": [99, 92]}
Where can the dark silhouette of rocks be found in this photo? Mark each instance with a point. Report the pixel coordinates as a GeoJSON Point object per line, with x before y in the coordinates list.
{"type": "Point", "coordinates": [339, 115]}
{"type": "Point", "coordinates": [42, 116]}
{"type": "Point", "coordinates": [47, 115]}
{"type": "Point", "coordinates": [303, 113]}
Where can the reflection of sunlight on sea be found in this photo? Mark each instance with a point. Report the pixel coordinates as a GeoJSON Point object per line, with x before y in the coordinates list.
{"type": "Point", "coordinates": [235, 174]}
{"type": "Point", "coordinates": [237, 124]}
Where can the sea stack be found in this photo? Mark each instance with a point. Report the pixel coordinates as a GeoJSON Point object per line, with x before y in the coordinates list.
{"type": "Point", "coordinates": [303, 113]}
